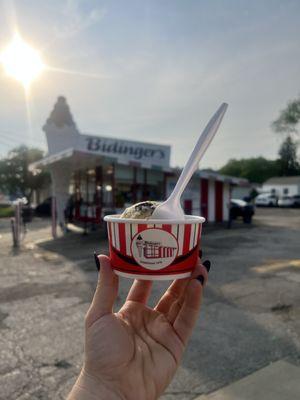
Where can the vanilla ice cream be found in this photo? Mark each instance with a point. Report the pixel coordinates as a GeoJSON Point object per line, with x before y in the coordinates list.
{"type": "Point", "coordinates": [142, 210]}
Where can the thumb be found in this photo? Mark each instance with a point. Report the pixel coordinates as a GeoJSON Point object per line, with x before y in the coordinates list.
{"type": "Point", "coordinates": [105, 294]}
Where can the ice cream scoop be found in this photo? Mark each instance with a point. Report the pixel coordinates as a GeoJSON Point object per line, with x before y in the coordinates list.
{"type": "Point", "coordinates": [171, 208]}
{"type": "Point", "coordinates": [142, 210]}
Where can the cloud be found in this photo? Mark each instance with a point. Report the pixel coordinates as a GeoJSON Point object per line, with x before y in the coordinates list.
{"type": "Point", "coordinates": [76, 20]}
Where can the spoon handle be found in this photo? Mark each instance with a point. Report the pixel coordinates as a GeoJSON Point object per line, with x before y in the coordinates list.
{"type": "Point", "coordinates": [198, 152]}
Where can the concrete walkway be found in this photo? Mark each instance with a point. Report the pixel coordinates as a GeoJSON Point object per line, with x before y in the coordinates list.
{"type": "Point", "coordinates": [277, 381]}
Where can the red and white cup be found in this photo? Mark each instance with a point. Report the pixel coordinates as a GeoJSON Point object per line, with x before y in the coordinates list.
{"type": "Point", "coordinates": [154, 249]}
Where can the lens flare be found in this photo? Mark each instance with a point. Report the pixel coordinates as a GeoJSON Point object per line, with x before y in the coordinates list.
{"type": "Point", "coordinates": [21, 61]}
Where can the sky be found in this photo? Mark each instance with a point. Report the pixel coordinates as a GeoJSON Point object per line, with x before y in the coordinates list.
{"type": "Point", "coordinates": [156, 70]}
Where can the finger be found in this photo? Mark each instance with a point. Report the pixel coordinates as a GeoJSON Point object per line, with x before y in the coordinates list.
{"type": "Point", "coordinates": [172, 294]}
{"type": "Point", "coordinates": [200, 270]}
{"type": "Point", "coordinates": [140, 291]}
{"type": "Point", "coordinates": [106, 292]}
{"type": "Point", "coordinates": [167, 303]}
{"type": "Point", "coordinates": [187, 316]}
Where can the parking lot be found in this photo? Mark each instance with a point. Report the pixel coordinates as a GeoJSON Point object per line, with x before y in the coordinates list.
{"type": "Point", "coordinates": [250, 315]}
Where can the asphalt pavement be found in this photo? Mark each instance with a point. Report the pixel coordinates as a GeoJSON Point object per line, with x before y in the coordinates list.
{"type": "Point", "coordinates": [250, 316]}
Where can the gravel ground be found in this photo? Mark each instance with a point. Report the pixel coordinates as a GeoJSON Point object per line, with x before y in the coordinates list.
{"type": "Point", "coordinates": [250, 315]}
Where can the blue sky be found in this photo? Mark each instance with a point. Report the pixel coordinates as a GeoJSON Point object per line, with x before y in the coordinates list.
{"type": "Point", "coordinates": [157, 70]}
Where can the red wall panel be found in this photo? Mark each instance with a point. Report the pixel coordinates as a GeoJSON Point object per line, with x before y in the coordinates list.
{"type": "Point", "coordinates": [204, 197]}
{"type": "Point", "coordinates": [219, 201]}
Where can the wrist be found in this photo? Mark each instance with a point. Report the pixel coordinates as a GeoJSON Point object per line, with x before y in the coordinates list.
{"type": "Point", "coordinates": [88, 387]}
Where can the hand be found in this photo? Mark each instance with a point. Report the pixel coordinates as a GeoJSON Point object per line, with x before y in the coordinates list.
{"type": "Point", "coordinates": [133, 354]}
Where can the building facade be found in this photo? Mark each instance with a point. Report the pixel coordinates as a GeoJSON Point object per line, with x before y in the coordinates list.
{"type": "Point", "coordinates": [95, 175]}
{"type": "Point", "coordinates": [282, 186]}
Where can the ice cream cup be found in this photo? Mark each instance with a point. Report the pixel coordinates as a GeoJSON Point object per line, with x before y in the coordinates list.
{"type": "Point", "coordinates": [154, 249]}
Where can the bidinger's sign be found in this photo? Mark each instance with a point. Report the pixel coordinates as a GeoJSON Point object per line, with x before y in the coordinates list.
{"type": "Point", "coordinates": [125, 150]}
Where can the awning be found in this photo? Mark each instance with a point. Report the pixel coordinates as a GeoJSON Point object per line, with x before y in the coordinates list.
{"type": "Point", "coordinates": [51, 159]}
{"type": "Point", "coordinates": [83, 160]}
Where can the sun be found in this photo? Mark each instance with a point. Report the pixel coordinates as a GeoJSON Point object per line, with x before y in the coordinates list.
{"type": "Point", "coordinates": [21, 61]}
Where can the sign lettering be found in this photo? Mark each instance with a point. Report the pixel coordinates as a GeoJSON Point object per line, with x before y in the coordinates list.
{"type": "Point", "coordinates": [128, 150]}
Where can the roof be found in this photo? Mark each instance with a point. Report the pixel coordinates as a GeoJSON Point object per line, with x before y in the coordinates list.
{"type": "Point", "coordinates": [283, 180]}
{"type": "Point", "coordinates": [83, 160]}
{"type": "Point", "coordinates": [51, 159]}
{"type": "Point", "coordinates": [206, 174]}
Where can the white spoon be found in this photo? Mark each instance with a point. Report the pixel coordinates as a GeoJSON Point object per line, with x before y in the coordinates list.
{"type": "Point", "coordinates": [171, 208]}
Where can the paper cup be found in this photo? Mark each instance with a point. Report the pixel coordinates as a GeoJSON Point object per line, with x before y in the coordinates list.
{"type": "Point", "coordinates": [154, 249]}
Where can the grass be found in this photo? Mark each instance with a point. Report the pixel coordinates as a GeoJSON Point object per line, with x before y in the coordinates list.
{"type": "Point", "coordinates": [6, 211]}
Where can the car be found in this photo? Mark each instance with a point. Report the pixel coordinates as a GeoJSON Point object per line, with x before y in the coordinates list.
{"type": "Point", "coordinates": [289, 201]}
{"type": "Point", "coordinates": [296, 200]}
{"type": "Point", "coordinates": [4, 200]}
{"type": "Point", "coordinates": [44, 208]}
{"type": "Point", "coordinates": [240, 208]}
{"type": "Point", "coordinates": [266, 200]}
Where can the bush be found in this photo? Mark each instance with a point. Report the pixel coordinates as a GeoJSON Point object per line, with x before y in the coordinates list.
{"type": "Point", "coordinates": [6, 211]}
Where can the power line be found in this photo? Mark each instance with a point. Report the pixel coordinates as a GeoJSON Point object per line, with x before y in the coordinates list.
{"type": "Point", "coordinates": [10, 133]}
{"type": "Point", "coordinates": [12, 139]}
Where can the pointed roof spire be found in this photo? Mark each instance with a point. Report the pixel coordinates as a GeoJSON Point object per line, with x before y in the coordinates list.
{"type": "Point", "coordinates": [61, 115]}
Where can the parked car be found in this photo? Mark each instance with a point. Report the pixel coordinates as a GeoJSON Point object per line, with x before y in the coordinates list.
{"type": "Point", "coordinates": [240, 208]}
{"type": "Point", "coordinates": [44, 208]}
{"type": "Point", "coordinates": [26, 214]}
{"type": "Point", "coordinates": [4, 200]}
{"type": "Point", "coordinates": [289, 201]}
{"type": "Point", "coordinates": [266, 200]}
{"type": "Point", "coordinates": [296, 200]}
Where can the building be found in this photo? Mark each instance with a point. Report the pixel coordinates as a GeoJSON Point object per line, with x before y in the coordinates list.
{"type": "Point", "coordinates": [282, 186]}
{"type": "Point", "coordinates": [94, 175]}
{"type": "Point", "coordinates": [245, 191]}
{"type": "Point", "coordinates": [208, 194]}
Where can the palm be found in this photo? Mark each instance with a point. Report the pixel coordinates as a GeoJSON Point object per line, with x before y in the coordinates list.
{"type": "Point", "coordinates": [138, 348]}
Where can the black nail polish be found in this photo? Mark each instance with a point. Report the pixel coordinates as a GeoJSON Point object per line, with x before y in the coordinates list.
{"type": "Point", "coordinates": [97, 261]}
{"type": "Point", "coordinates": [200, 278]}
{"type": "Point", "coordinates": [200, 253]}
{"type": "Point", "coordinates": [207, 265]}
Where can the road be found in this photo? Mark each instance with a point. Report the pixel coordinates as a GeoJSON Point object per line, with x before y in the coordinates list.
{"type": "Point", "coordinates": [250, 315]}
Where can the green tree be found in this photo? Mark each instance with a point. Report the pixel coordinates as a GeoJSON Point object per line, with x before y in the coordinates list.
{"type": "Point", "coordinates": [288, 158]}
{"type": "Point", "coordinates": [288, 118]}
{"type": "Point", "coordinates": [287, 123]}
{"type": "Point", "coordinates": [15, 177]}
{"type": "Point", "coordinates": [257, 169]}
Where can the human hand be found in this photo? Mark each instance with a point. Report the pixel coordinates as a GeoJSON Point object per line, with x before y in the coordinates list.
{"type": "Point", "coordinates": [133, 354]}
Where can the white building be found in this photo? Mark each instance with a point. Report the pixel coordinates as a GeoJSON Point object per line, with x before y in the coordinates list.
{"type": "Point", "coordinates": [282, 186]}
{"type": "Point", "coordinates": [95, 174]}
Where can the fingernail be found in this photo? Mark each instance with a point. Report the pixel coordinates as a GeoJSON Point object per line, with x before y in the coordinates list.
{"type": "Point", "coordinates": [97, 261]}
{"type": "Point", "coordinates": [207, 265]}
{"type": "Point", "coordinates": [200, 253]}
{"type": "Point", "coordinates": [200, 278]}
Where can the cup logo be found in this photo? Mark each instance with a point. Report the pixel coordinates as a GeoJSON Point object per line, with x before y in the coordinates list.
{"type": "Point", "coordinates": [154, 249]}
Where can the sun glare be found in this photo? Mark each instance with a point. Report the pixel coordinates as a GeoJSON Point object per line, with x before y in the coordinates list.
{"type": "Point", "coordinates": [21, 61]}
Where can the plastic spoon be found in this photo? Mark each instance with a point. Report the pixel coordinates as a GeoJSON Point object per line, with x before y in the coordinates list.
{"type": "Point", "coordinates": [171, 208]}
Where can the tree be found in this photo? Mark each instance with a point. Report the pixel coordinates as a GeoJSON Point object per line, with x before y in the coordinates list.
{"type": "Point", "coordinates": [287, 123]}
{"type": "Point", "coordinates": [288, 158]}
{"type": "Point", "coordinates": [288, 118]}
{"type": "Point", "coordinates": [15, 177]}
{"type": "Point", "coordinates": [256, 169]}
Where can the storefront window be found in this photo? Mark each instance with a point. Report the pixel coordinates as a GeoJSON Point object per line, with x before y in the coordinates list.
{"type": "Point", "coordinates": [110, 186]}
